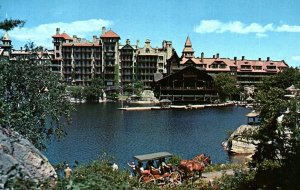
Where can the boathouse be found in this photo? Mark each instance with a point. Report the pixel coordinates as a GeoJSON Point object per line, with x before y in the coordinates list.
{"type": "Point", "coordinates": [187, 85]}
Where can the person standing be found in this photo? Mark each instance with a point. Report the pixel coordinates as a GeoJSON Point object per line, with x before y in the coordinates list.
{"type": "Point", "coordinates": [115, 167]}
{"type": "Point", "coordinates": [68, 171]}
{"type": "Point", "coordinates": [132, 168]}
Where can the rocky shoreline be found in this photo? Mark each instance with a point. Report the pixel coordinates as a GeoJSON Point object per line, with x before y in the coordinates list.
{"type": "Point", "coordinates": [19, 157]}
{"type": "Point", "coordinates": [236, 144]}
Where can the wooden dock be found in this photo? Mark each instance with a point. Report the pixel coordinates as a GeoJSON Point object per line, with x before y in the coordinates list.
{"type": "Point", "coordinates": [175, 107]}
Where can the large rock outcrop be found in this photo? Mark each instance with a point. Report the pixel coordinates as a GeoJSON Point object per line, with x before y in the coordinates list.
{"type": "Point", "coordinates": [18, 155]}
{"type": "Point", "coordinates": [236, 144]}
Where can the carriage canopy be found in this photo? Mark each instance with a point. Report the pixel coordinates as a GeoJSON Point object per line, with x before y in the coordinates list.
{"type": "Point", "coordinates": [152, 156]}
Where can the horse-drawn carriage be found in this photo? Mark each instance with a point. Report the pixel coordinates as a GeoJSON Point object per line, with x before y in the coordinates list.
{"type": "Point", "coordinates": [166, 174]}
{"type": "Point", "coordinates": [162, 174]}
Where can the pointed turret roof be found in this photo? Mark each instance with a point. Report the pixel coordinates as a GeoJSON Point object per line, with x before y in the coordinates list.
{"type": "Point", "coordinates": [188, 42]}
{"type": "Point", "coordinates": [110, 34]}
{"type": "Point", "coordinates": [188, 51]}
{"type": "Point", "coordinates": [6, 36]}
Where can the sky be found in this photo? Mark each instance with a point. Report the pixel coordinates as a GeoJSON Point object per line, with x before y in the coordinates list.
{"type": "Point", "coordinates": [233, 28]}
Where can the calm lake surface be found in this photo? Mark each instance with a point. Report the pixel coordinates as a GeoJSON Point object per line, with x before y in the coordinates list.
{"type": "Point", "coordinates": [99, 128]}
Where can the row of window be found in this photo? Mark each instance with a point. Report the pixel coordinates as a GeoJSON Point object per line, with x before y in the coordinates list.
{"type": "Point", "coordinates": [146, 58]}
{"type": "Point", "coordinates": [271, 67]}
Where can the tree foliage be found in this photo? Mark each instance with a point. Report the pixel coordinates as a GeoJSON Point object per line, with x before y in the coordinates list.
{"type": "Point", "coordinates": [75, 92]}
{"type": "Point", "coordinates": [225, 85]}
{"type": "Point", "coordinates": [278, 140]}
{"type": "Point", "coordinates": [275, 164]}
{"type": "Point", "coordinates": [136, 87]}
{"type": "Point", "coordinates": [9, 24]}
{"type": "Point", "coordinates": [290, 76]}
{"type": "Point", "coordinates": [30, 46]}
{"type": "Point", "coordinates": [32, 101]}
{"type": "Point", "coordinates": [94, 91]}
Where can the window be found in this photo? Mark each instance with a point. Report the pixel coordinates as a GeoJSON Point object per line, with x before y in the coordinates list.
{"type": "Point", "coordinates": [245, 66]}
{"type": "Point", "coordinates": [147, 50]}
{"type": "Point", "coordinates": [57, 47]}
{"type": "Point", "coordinates": [222, 66]}
{"type": "Point", "coordinates": [271, 67]}
{"type": "Point", "coordinates": [214, 66]}
{"type": "Point", "coordinates": [257, 67]}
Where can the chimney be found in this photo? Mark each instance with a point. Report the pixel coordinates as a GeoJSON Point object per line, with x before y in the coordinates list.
{"type": "Point", "coordinates": [164, 44]}
{"type": "Point", "coordinates": [137, 43]}
{"type": "Point", "coordinates": [235, 58]}
{"type": "Point", "coordinates": [57, 30]}
{"type": "Point", "coordinates": [268, 58]}
{"type": "Point", "coordinates": [127, 42]}
{"type": "Point", "coordinates": [243, 57]}
{"type": "Point", "coordinates": [202, 56]}
{"type": "Point", "coordinates": [214, 56]}
{"type": "Point", "coordinates": [103, 30]}
{"type": "Point", "coordinates": [259, 59]}
{"type": "Point", "coordinates": [75, 40]}
{"type": "Point", "coordinates": [94, 39]}
{"type": "Point", "coordinates": [217, 55]}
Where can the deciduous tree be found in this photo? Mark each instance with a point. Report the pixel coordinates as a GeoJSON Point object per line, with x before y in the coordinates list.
{"type": "Point", "coordinates": [226, 86]}
{"type": "Point", "coordinates": [32, 101]}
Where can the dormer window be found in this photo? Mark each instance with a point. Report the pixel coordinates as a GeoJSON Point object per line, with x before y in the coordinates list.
{"type": "Point", "coordinates": [271, 67]}
{"type": "Point", "coordinates": [147, 50]}
{"type": "Point", "coordinates": [246, 67]}
{"type": "Point", "coordinates": [257, 67]}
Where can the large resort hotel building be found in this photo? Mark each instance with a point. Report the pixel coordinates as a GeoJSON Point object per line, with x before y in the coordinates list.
{"type": "Point", "coordinates": [247, 72]}
{"type": "Point", "coordinates": [78, 61]}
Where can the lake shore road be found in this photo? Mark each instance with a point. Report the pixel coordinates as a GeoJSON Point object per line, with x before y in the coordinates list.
{"type": "Point", "coordinates": [210, 176]}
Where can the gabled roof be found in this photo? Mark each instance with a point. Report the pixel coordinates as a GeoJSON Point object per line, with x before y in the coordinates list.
{"type": "Point", "coordinates": [62, 35]}
{"type": "Point", "coordinates": [127, 46]}
{"type": "Point", "coordinates": [110, 34]}
{"type": "Point", "coordinates": [190, 68]}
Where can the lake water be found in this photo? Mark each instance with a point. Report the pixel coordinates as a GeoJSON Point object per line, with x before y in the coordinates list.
{"type": "Point", "coordinates": [99, 128]}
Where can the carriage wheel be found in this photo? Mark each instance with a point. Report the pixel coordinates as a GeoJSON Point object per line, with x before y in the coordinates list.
{"type": "Point", "coordinates": [175, 178]}
{"type": "Point", "coordinates": [146, 179]}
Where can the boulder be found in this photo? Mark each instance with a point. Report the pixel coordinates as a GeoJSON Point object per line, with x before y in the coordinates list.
{"type": "Point", "coordinates": [236, 144]}
{"type": "Point", "coordinates": [19, 158]}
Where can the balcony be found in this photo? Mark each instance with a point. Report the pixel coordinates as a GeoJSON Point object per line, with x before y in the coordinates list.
{"type": "Point", "coordinates": [126, 67]}
{"type": "Point", "coordinates": [126, 80]}
{"type": "Point", "coordinates": [109, 72]}
{"type": "Point", "coordinates": [146, 67]}
{"type": "Point", "coordinates": [144, 74]}
{"type": "Point", "coordinates": [86, 65]}
{"type": "Point", "coordinates": [126, 73]}
{"type": "Point", "coordinates": [109, 65]}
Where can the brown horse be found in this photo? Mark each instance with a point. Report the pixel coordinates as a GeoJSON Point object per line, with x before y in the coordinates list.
{"type": "Point", "coordinates": [196, 165]}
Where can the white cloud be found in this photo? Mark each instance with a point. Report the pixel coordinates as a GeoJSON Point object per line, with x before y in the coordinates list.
{"type": "Point", "coordinates": [261, 35]}
{"type": "Point", "coordinates": [209, 26]}
{"type": "Point", "coordinates": [296, 58]}
{"type": "Point", "coordinates": [288, 28]}
{"type": "Point", "coordinates": [42, 34]}
{"type": "Point", "coordinates": [216, 26]}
